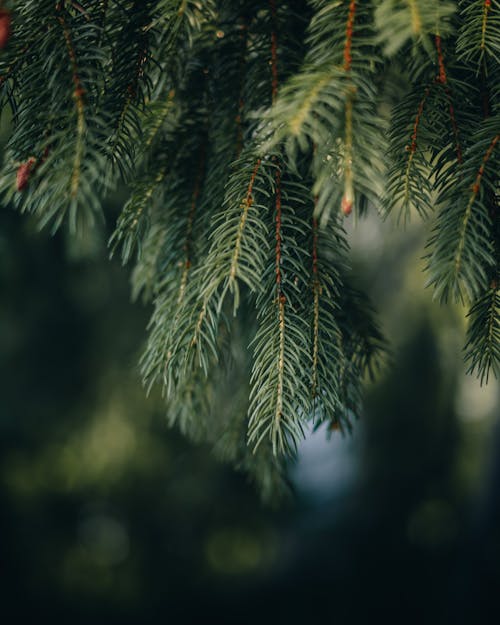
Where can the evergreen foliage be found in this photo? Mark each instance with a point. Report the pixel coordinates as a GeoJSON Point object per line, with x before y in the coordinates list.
{"type": "Point", "coordinates": [246, 132]}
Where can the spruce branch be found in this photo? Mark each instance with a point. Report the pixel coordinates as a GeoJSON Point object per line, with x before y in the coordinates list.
{"type": "Point", "coordinates": [461, 247]}
{"type": "Point", "coordinates": [243, 135]}
{"type": "Point", "coordinates": [482, 350]}
{"type": "Point", "coordinates": [479, 36]}
{"type": "Point", "coordinates": [415, 20]}
{"type": "Point", "coordinates": [279, 396]}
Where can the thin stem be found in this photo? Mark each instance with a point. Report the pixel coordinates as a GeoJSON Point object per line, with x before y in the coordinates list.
{"type": "Point", "coordinates": [412, 148]}
{"type": "Point", "coordinates": [78, 94]}
{"type": "Point", "coordinates": [416, 21]}
{"type": "Point", "coordinates": [316, 296]}
{"type": "Point", "coordinates": [443, 79]}
{"type": "Point", "coordinates": [279, 240]}
{"type": "Point", "coordinates": [274, 52]}
{"type": "Point", "coordinates": [348, 198]}
{"type": "Point", "coordinates": [246, 204]}
{"type": "Point", "coordinates": [241, 102]}
{"type": "Point", "coordinates": [281, 300]}
{"type": "Point", "coordinates": [348, 37]}
{"type": "Point", "coordinates": [486, 10]}
{"type": "Point", "coordinates": [277, 435]}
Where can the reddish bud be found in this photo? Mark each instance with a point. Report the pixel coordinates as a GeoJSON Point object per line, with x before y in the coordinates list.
{"type": "Point", "coordinates": [5, 29]}
{"type": "Point", "coordinates": [24, 173]}
{"type": "Point", "coordinates": [346, 205]}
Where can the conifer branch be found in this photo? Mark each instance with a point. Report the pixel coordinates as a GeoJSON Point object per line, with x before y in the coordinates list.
{"type": "Point", "coordinates": [468, 210]}
{"type": "Point", "coordinates": [158, 117]}
{"type": "Point", "coordinates": [239, 245]}
{"type": "Point", "coordinates": [132, 220]}
{"type": "Point", "coordinates": [478, 40]}
{"type": "Point", "coordinates": [247, 203]}
{"type": "Point", "coordinates": [79, 104]}
{"type": "Point", "coordinates": [443, 79]}
{"type": "Point", "coordinates": [412, 20]}
{"type": "Point", "coordinates": [280, 393]}
{"type": "Point", "coordinates": [412, 176]}
{"type": "Point", "coordinates": [243, 134]}
{"type": "Point", "coordinates": [328, 360]}
{"type": "Point", "coordinates": [276, 387]}
{"type": "Point", "coordinates": [482, 350]}
{"type": "Point", "coordinates": [461, 245]}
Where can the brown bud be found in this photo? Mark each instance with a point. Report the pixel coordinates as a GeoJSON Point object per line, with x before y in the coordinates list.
{"type": "Point", "coordinates": [5, 28]}
{"type": "Point", "coordinates": [23, 173]}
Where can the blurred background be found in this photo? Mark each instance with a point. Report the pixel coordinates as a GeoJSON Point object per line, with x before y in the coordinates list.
{"type": "Point", "coordinates": [107, 516]}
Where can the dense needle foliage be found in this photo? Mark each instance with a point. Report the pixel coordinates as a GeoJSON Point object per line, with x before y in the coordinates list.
{"type": "Point", "coordinates": [247, 132]}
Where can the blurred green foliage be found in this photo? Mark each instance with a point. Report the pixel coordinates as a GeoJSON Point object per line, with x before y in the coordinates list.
{"type": "Point", "coordinates": [108, 516]}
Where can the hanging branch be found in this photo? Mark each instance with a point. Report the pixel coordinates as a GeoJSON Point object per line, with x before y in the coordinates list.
{"type": "Point", "coordinates": [243, 137]}
{"type": "Point", "coordinates": [412, 148]}
{"type": "Point", "coordinates": [468, 210]}
{"type": "Point", "coordinates": [246, 204]}
{"type": "Point", "coordinates": [462, 250]}
{"type": "Point", "coordinates": [478, 38]}
{"type": "Point", "coordinates": [443, 79]}
{"type": "Point", "coordinates": [78, 94]}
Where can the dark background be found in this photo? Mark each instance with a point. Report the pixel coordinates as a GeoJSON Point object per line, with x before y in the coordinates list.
{"type": "Point", "coordinates": [107, 516]}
